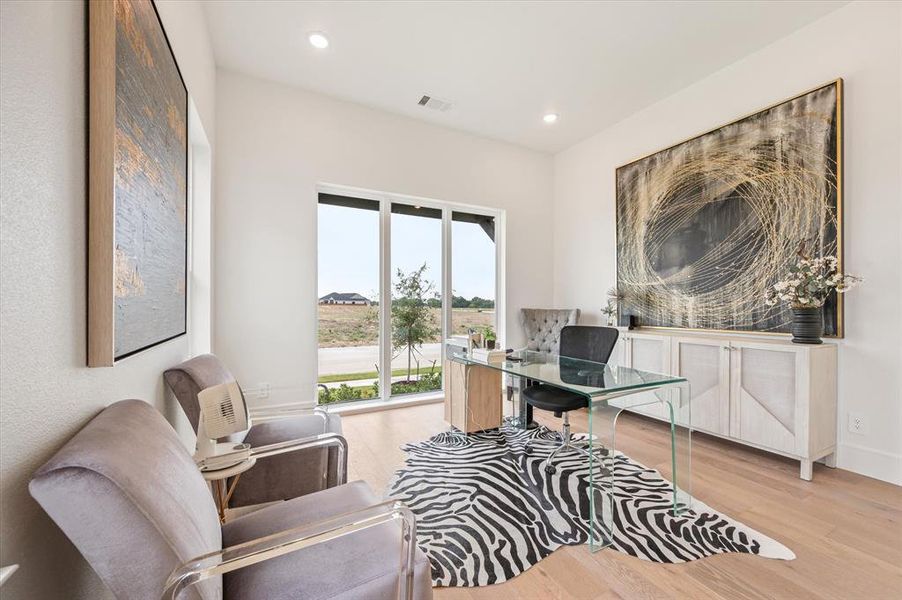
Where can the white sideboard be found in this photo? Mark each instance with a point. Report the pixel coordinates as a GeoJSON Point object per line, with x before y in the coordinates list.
{"type": "Point", "coordinates": [764, 392]}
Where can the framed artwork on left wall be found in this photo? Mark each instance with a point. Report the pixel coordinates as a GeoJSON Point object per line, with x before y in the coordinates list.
{"type": "Point", "coordinates": [138, 183]}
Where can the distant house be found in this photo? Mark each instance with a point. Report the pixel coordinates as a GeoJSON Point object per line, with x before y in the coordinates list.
{"type": "Point", "coordinates": [352, 298]}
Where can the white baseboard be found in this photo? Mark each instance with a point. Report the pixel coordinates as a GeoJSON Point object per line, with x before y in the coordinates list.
{"type": "Point", "coordinates": [878, 464]}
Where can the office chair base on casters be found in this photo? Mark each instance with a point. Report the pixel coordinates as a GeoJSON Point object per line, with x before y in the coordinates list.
{"type": "Point", "coordinates": [568, 444]}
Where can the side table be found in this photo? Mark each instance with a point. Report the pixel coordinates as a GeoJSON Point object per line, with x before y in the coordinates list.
{"type": "Point", "coordinates": [222, 493]}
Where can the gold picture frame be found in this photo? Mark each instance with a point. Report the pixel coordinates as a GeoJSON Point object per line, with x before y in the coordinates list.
{"type": "Point", "coordinates": [628, 221]}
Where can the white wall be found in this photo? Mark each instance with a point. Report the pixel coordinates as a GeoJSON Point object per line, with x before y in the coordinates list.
{"type": "Point", "coordinates": [861, 43]}
{"type": "Point", "coordinates": [46, 392]}
{"type": "Point", "coordinates": [275, 143]}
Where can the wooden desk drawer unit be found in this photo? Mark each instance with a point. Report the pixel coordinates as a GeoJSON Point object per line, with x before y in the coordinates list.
{"type": "Point", "coordinates": [473, 397]}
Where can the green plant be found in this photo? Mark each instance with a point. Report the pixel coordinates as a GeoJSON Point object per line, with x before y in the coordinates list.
{"type": "Point", "coordinates": [346, 393]}
{"type": "Point", "coordinates": [426, 383]}
{"type": "Point", "coordinates": [474, 302]}
{"type": "Point", "coordinates": [411, 319]}
{"type": "Point", "coordinates": [488, 333]}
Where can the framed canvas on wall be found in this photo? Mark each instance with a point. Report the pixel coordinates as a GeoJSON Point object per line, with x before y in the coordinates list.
{"type": "Point", "coordinates": [138, 183]}
{"type": "Point", "coordinates": [706, 226]}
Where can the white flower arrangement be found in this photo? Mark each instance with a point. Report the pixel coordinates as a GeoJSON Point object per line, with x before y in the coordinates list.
{"type": "Point", "coordinates": [810, 282]}
{"type": "Point", "coordinates": [610, 309]}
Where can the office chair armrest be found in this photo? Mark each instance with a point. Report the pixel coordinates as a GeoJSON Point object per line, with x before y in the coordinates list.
{"type": "Point", "coordinates": [287, 541]}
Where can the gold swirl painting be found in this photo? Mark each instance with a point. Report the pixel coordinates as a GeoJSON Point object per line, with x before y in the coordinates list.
{"type": "Point", "coordinates": [706, 226]}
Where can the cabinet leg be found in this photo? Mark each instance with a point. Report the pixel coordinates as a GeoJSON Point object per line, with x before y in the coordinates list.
{"type": "Point", "coordinates": [830, 460]}
{"type": "Point", "coordinates": [807, 468]}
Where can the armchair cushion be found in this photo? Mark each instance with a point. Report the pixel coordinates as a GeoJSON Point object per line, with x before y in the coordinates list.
{"type": "Point", "coordinates": [542, 327]}
{"type": "Point", "coordinates": [362, 565]}
{"type": "Point", "coordinates": [127, 493]}
{"type": "Point", "coordinates": [290, 475]}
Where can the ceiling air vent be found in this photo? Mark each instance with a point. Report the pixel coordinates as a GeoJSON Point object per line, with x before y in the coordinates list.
{"type": "Point", "coordinates": [435, 103]}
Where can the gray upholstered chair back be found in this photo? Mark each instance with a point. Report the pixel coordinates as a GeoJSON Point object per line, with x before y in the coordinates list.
{"type": "Point", "coordinates": [127, 493]}
{"type": "Point", "coordinates": [542, 327]}
{"type": "Point", "coordinates": [189, 378]}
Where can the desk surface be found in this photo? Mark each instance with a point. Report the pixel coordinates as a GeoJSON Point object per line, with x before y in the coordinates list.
{"type": "Point", "coordinates": [590, 379]}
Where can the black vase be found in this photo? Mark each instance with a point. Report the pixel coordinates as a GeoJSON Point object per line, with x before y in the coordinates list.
{"type": "Point", "coordinates": [807, 325]}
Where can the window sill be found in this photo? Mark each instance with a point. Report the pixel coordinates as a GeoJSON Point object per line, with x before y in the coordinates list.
{"type": "Point", "coordinates": [354, 408]}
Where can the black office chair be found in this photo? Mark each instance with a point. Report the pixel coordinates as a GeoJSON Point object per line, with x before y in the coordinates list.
{"type": "Point", "coordinates": [581, 342]}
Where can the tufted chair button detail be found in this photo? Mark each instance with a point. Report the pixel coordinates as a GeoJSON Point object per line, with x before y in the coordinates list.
{"type": "Point", "coordinates": [543, 327]}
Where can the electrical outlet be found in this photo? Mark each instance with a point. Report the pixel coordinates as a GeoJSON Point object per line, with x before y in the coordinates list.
{"type": "Point", "coordinates": [857, 424]}
{"type": "Point", "coordinates": [263, 392]}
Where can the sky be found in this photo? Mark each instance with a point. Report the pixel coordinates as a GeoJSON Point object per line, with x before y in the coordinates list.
{"type": "Point", "coordinates": [349, 252]}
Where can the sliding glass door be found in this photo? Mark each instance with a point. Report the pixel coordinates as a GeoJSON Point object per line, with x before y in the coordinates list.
{"type": "Point", "coordinates": [396, 276]}
{"type": "Point", "coordinates": [473, 274]}
{"type": "Point", "coordinates": [416, 299]}
{"type": "Point", "coordinates": [348, 305]}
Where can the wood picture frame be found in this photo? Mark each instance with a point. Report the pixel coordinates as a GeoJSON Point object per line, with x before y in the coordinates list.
{"type": "Point", "coordinates": [137, 183]}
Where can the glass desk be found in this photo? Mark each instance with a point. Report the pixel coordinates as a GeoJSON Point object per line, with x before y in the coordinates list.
{"type": "Point", "coordinates": [608, 390]}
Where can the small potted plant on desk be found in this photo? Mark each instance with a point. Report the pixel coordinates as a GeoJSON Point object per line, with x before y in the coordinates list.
{"type": "Point", "coordinates": [488, 337]}
{"type": "Point", "coordinates": [806, 289]}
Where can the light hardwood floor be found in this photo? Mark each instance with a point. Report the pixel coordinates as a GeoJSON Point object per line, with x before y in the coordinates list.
{"type": "Point", "coordinates": [845, 529]}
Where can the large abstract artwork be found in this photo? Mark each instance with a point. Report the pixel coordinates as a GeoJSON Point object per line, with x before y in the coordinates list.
{"type": "Point", "coordinates": [704, 227]}
{"type": "Point", "coordinates": [139, 155]}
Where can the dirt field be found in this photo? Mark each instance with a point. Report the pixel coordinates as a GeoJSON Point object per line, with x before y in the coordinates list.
{"type": "Point", "coordinates": [342, 326]}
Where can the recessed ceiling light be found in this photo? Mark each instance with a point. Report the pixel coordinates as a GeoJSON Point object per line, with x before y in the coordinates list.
{"type": "Point", "coordinates": [550, 118]}
{"type": "Point", "coordinates": [318, 40]}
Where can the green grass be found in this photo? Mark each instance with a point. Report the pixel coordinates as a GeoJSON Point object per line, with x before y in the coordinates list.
{"type": "Point", "coordinates": [372, 375]}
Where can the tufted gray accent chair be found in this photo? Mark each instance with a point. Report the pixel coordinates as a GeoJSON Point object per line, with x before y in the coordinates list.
{"type": "Point", "coordinates": [542, 327]}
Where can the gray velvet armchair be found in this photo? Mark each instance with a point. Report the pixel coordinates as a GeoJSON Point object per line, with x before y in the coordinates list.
{"type": "Point", "coordinates": [128, 495]}
{"type": "Point", "coordinates": [280, 477]}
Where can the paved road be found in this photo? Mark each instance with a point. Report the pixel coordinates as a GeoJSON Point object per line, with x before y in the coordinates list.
{"type": "Point", "coordinates": [360, 359]}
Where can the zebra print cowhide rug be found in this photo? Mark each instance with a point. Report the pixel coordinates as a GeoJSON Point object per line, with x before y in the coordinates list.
{"type": "Point", "coordinates": [487, 510]}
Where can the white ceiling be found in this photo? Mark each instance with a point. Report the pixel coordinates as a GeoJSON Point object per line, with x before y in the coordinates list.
{"type": "Point", "coordinates": [502, 64]}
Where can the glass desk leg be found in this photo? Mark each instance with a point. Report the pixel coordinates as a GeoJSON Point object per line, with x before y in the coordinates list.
{"type": "Point", "coordinates": [680, 409]}
{"type": "Point", "coordinates": [603, 418]}
{"type": "Point", "coordinates": [602, 421]}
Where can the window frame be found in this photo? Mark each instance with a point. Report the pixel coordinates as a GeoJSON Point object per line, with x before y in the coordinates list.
{"type": "Point", "coordinates": [386, 199]}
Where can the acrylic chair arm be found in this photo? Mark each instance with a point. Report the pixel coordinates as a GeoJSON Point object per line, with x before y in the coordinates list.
{"type": "Point", "coordinates": [314, 441]}
{"type": "Point", "coordinates": [284, 542]}
{"type": "Point", "coordinates": [287, 409]}
{"type": "Point", "coordinates": [321, 440]}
